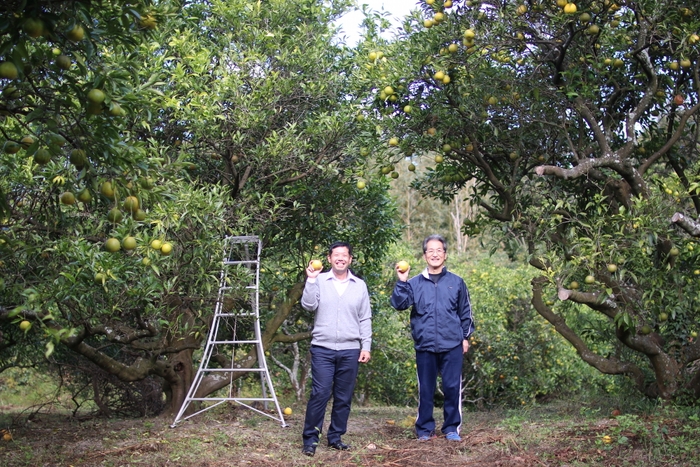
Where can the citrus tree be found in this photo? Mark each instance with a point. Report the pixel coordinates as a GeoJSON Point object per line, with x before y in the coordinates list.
{"type": "Point", "coordinates": [578, 122]}
{"type": "Point", "coordinates": [122, 174]}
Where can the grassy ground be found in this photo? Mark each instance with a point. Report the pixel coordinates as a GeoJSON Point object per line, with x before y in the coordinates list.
{"type": "Point", "coordinates": [556, 434]}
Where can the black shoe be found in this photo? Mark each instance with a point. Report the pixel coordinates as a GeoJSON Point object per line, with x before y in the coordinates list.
{"type": "Point", "coordinates": [340, 446]}
{"type": "Point", "coordinates": [308, 451]}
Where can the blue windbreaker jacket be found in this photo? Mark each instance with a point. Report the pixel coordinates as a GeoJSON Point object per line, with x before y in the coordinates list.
{"type": "Point", "coordinates": [441, 314]}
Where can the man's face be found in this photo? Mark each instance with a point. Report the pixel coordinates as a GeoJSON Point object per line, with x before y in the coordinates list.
{"type": "Point", "coordinates": [435, 254]}
{"type": "Point", "coordinates": [340, 259]}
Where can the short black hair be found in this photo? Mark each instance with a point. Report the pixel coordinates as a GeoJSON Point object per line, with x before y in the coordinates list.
{"type": "Point", "coordinates": [434, 237]}
{"type": "Point", "coordinates": [335, 245]}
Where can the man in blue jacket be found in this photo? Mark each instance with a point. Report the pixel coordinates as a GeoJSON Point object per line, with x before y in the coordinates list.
{"type": "Point", "coordinates": [340, 341]}
{"type": "Point", "coordinates": [441, 323]}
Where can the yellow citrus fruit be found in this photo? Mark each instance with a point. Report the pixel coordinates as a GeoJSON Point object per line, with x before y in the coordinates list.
{"type": "Point", "coordinates": [287, 410]}
{"type": "Point", "coordinates": [166, 249]}
{"type": "Point", "coordinates": [25, 325]}
{"type": "Point", "coordinates": [68, 198]}
{"type": "Point", "coordinates": [131, 204]}
{"type": "Point", "coordinates": [156, 244]}
{"type": "Point", "coordinates": [129, 243]}
{"type": "Point", "coordinates": [402, 266]}
{"type": "Point", "coordinates": [317, 265]}
{"type": "Point", "coordinates": [115, 215]}
{"type": "Point", "coordinates": [113, 245]}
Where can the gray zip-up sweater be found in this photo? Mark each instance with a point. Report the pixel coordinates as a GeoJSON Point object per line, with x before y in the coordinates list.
{"type": "Point", "coordinates": [342, 322]}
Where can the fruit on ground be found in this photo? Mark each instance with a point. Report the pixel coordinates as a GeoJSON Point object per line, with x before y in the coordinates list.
{"type": "Point", "coordinates": [129, 243]}
{"type": "Point", "coordinates": [287, 410]}
{"type": "Point", "coordinates": [361, 185]}
{"type": "Point", "coordinates": [100, 278]}
{"type": "Point", "coordinates": [402, 266]}
{"type": "Point", "coordinates": [24, 325]}
{"type": "Point", "coordinates": [316, 265]}
{"type": "Point", "coordinates": [112, 245]}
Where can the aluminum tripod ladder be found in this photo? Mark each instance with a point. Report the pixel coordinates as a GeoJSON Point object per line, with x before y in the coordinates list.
{"type": "Point", "coordinates": [235, 329]}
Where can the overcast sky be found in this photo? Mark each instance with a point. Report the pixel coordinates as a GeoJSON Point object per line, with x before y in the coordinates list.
{"type": "Point", "coordinates": [351, 21]}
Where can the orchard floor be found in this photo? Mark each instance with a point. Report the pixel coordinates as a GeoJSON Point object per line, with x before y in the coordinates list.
{"type": "Point", "coordinates": [557, 434]}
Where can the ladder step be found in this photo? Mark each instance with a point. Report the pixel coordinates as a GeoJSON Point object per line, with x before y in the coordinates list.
{"type": "Point", "coordinates": [224, 370]}
{"type": "Point", "coordinates": [230, 399]}
{"type": "Point", "coordinates": [233, 315]}
{"type": "Point", "coordinates": [228, 262]}
{"type": "Point", "coordinates": [235, 342]}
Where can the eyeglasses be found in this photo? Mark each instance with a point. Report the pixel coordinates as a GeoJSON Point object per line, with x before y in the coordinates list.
{"type": "Point", "coordinates": [439, 251]}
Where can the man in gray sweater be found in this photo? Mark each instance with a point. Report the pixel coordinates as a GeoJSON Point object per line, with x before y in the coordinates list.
{"type": "Point", "coordinates": [341, 339]}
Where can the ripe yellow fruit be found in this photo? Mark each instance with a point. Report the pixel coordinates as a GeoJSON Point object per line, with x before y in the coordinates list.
{"type": "Point", "coordinates": [469, 34]}
{"type": "Point", "coordinates": [393, 141]}
{"type": "Point", "coordinates": [113, 245]}
{"type": "Point", "coordinates": [361, 185]}
{"type": "Point", "coordinates": [156, 244]}
{"type": "Point", "coordinates": [402, 266]}
{"type": "Point", "coordinates": [24, 325]}
{"type": "Point", "coordinates": [570, 8]}
{"type": "Point", "coordinates": [589, 279]}
{"type": "Point", "coordinates": [166, 249]}
{"type": "Point", "coordinates": [129, 243]}
{"type": "Point", "coordinates": [453, 48]}
{"type": "Point", "coordinates": [317, 265]}
{"type": "Point", "coordinates": [287, 410]}
{"type": "Point", "coordinates": [607, 439]}
{"type": "Point", "coordinates": [612, 267]}
{"type": "Point", "coordinates": [439, 75]}
{"type": "Point", "coordinates": [574, 285]}
{"type": "Point", "coordinates": [439, 158]}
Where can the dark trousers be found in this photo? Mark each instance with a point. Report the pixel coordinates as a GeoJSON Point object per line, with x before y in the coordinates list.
{"type": "Point", "coordinates": [332, 371]}
{"type": "Point", "coordinates": [449, 365]}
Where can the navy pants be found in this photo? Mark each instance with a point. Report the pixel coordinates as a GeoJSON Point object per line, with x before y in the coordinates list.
{"type": "Point", "coordinates": [449, 365]}
{"type": "Point", "coordinates": [332, 372]}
